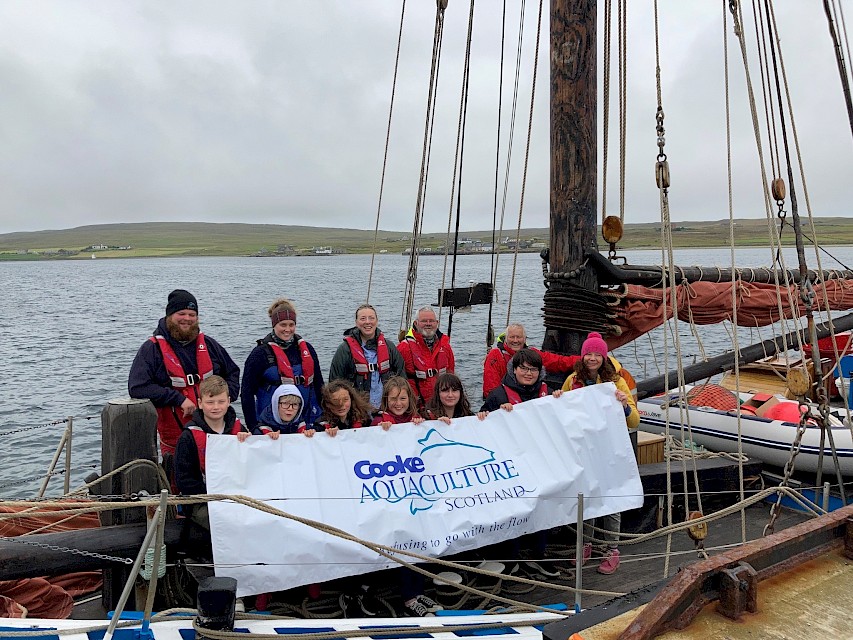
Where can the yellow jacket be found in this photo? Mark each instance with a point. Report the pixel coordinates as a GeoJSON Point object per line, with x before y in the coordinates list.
{"type": "Point", "coordinates": [633, 418]}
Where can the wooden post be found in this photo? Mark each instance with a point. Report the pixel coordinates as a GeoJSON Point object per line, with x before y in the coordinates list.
{"type": "Point", "coordinates": [128, 432]}
{"type": "Point", "coordinates": [573, 151]}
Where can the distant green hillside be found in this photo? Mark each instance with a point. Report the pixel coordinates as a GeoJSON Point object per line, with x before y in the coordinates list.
{"type": "Point", "coordinates": [148, 239]}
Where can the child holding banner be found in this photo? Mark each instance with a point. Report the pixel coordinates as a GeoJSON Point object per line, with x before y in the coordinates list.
{"type": "Point", "coordinates": [398, 404]}
{"type": "Point", "coordinates": [449, 400]}
{"type": "Point", "coordinates": [398, 407]}
{"type": "Point", "coordinates": [595, 368]}
{"type": "Point", "coordinates": [283, 415]}
{"type": "Point", "coordinates": [343, 408]}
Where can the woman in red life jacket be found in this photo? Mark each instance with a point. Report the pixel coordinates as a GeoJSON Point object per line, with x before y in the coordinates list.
{"type": "Point", "coordinates": [343, 408]}
{"type": "Point", "coordinates": [366, 358]}
{"type": "Point", "coordinates": [522, 381]}
{"type": "Point", "coordinates": [449, 400]}
{"type": "Point", "coordinates": [594, 367]}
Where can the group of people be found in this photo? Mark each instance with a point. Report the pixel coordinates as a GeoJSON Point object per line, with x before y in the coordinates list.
{"type": "Point", "coordinates": [192, 382]}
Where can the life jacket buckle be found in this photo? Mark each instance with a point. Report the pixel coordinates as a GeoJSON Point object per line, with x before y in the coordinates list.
{"type": "Point", "coordinates": [371, 367]}
{"type": "Point", "coordinates": [299, 381]}
{"type": "Point", "coordinates": [430, 373]}
{"type": "Point", "coordinates": [193, 379]}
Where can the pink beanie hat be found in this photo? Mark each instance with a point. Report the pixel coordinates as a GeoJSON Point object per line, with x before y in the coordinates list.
{"type": "Point", "coordinates": [594, 343]}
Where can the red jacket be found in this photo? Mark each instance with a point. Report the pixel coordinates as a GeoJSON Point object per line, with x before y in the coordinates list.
{"type": "Point", "coordinates": [423, 364]}
{"type": "Point", "coordinates": [494, 368]}
{"type": "Point", "coordinates": [385, 416]}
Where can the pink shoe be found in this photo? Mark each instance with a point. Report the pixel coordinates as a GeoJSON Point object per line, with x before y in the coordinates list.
{"type": "Point", "coordinates": [610, 562]}
{"type": "Point", "coordinates": [587, 554]}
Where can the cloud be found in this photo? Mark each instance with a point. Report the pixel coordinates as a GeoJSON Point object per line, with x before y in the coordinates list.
{"type": "Point", "coordinates": [276, 112]}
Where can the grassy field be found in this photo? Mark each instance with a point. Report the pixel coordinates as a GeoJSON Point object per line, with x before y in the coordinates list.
{"type": "Point", "coordinates": [151, 239]}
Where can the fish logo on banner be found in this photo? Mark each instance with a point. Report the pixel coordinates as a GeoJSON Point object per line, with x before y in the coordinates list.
{"type": "Point", "coordinates": [423, 480]}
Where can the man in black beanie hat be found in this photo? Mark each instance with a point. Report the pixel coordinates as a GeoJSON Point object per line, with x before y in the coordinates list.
{"type": "Point", "coordinates": [170, 365]}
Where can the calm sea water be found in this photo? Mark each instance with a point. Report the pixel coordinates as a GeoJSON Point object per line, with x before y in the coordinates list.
{"type": "Point", "coordinates": [70, 329]}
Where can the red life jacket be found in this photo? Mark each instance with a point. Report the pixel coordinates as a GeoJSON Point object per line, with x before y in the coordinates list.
{"type": "Point", "coordinates": [285, 370]}
{"type": "Point", "coordinates": [428, 363]}
{"type": "Point", "coordinates": [385, 416]}
{"type": "Point", "coordinates": [362, 366]}
{"type": "Point", "coordinates": [200, 437]}
{"type": "Point", "coordinates": [170, 420]}
{"type": "Point", "coordinates": [513, 397]}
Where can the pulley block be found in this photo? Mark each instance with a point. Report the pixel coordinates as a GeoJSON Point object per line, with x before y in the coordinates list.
{"type": "Point", "coordinates": [697, 532]}
{"type": "Point", "coordinates": [777, 189]}
{"type": "Point", "coordinates": [798, 381]}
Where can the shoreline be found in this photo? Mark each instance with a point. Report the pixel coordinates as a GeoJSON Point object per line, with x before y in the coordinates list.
{"type": "Point", "coordinates": [163, 253]}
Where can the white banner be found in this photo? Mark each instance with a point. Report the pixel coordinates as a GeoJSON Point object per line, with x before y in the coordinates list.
{"type": "Point", "coordinates": [433, 489]}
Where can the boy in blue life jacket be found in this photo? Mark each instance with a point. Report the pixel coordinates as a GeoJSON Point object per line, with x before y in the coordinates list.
{"type": "Point", "coordinates": [214, 416]}
{"type": "Point", "coordinates": [284, 414]}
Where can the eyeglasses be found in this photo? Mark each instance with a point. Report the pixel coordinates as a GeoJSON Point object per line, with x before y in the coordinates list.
{"type": "Point", "coordinates": [288, 405]}
{"type": "Point", "coordinates": [526, 369]}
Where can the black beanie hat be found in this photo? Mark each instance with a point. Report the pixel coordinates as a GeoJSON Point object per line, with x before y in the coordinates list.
{"type": "Point", "coordinates": [180, 300]}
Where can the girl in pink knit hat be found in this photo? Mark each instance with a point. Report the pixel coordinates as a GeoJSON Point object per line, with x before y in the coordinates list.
{"type": "Point", "coordinates": [595, 367]}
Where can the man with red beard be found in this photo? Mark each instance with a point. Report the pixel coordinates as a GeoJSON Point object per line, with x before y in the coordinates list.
{"type": "Point", "coordinates": [170, 365]}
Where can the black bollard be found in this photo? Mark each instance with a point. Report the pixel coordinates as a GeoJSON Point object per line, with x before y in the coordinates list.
{"type": "Point", "coordinates": [215, 603]}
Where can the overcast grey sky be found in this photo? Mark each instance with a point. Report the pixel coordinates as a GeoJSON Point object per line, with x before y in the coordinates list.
{"type": "Point", "coordinates": [275, 112]}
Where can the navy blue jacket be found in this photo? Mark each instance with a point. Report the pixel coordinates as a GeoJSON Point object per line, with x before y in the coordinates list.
{"type": "Point", "coordinates": [148, 377]}
{"type": "Point", "coordinates": [261, 378]}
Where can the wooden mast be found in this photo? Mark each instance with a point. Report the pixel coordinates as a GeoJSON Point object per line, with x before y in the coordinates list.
{"type": "Point", "coordinates": [573, 153]}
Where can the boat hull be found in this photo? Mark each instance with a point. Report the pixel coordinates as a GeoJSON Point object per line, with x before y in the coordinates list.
{"type": "Point", "coordinates": [761, 438]}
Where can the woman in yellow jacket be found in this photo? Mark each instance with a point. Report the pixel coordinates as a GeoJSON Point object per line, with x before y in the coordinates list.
{"type": "Point", "coordinates": [594, 367]}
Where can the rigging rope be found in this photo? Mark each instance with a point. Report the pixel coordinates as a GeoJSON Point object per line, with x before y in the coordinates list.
{"type": "Point", "coordinates": [735, 341]}
{"type": "Point", "coordinates": [417, 224]}
{"type": "Point", "coordinates": [806, 195]}
{"type": "Point", "coordinates": [511, 138]}
{"type": "Point", "coordinates": [526, 161]}
{"type": "Point", "coordinates": [623, 102]}
{"type": "Point", "coordinates": [490, 331]}
{"type": "Point", "coordinates": [605, 93]}
{"type": "Point", "coordinates": [385, 155]}
{"type": "Point", "coordinates": [842, 67]}
{"type": "Point", "coordinates": [456, 185]}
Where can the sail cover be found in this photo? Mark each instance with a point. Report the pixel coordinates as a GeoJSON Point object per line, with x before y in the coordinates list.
{"type": "Point", "coordinates": [641, 311]}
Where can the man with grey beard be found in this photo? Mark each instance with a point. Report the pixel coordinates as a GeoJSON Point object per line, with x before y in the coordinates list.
{"type": "Point", "coordinates": [427, 354]}
{"type": "Point", "coordinates": [170, 365]}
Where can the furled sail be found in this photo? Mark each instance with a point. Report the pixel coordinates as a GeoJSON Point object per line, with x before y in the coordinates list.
{"type": "Point", "coordinates": [639, 309]}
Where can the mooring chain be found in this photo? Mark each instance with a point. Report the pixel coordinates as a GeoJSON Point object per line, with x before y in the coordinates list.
{"type": "Point", "coordinates": [78, 552]}
{"type": "Point", "coordinates": [13, 483]}
{"type": "Point", "coordinates": [789, 467]}
{"type": "Point", "coordinates": [33, 428]}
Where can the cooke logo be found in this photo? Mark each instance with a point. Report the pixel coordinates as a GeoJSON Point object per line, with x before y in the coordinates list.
{"type": "Point", "coordinates": [471, 476]}
{"type": "Point", "coordinates": [366, 470]}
